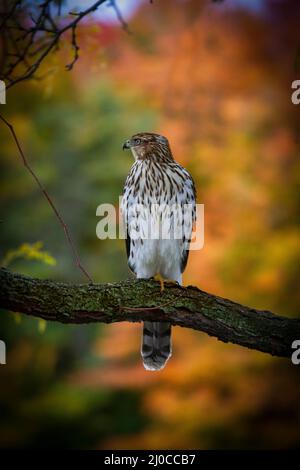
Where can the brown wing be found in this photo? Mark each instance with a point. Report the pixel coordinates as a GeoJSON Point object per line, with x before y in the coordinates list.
{"type": "Point", "coordinates": [188, 197]}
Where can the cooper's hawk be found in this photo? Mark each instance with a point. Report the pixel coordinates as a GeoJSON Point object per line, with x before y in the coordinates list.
{"type": "Point", "coordinates": [158, 209]}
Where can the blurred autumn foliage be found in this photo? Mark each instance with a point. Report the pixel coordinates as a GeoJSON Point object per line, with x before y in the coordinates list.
{"type": "Point", "coordinates": [216, 80]}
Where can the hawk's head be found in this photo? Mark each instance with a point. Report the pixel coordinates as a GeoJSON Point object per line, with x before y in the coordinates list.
{"type": "Point", "coordinates": [148, 145]}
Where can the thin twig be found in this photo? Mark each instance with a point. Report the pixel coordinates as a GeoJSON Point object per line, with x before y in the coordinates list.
{"type": "Point", "coordinates": [55, 210]}
{"type": "Point", "coordinates": [113, 4]}
{"type": "Point", "coordinates": [75, 48]}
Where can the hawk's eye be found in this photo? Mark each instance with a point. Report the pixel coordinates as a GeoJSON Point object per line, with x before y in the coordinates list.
{"type": "Point", "coordinates": [137, 141]}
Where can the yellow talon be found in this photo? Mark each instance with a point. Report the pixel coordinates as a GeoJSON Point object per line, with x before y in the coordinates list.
{"type": "Point", "coordinates": [158, 277]}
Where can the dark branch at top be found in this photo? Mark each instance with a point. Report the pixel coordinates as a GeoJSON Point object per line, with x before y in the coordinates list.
{"type": "Point", "coordinates": [30, 31]}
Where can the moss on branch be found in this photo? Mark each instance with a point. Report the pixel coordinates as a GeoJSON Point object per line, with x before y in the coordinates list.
{"type": "Point", "coordinates": [138, 300]}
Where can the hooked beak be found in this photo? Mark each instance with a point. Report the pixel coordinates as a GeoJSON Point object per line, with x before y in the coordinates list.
{"type": "Point", "coordinates": [126, 145]}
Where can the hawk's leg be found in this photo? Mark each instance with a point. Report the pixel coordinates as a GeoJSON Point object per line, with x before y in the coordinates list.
{"type": "Point", "coordinates": [158, 277]}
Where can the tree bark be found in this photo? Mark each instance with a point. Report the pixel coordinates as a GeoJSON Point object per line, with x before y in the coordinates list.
{"type": "Point", "coordinates": [138, 300]}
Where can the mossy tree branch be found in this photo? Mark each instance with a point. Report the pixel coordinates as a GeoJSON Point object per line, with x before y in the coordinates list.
{"type": "Point", "coordinates": [138, 300]}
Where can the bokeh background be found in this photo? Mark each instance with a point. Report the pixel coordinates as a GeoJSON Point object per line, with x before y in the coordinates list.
{"type": "Point", "coordinates": [215, 78]}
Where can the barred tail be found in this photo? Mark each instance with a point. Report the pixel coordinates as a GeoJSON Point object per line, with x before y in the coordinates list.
{"type": "Point", "coordinates": [156, 344]}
